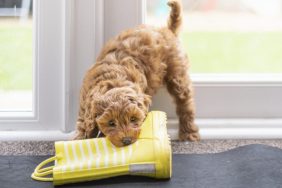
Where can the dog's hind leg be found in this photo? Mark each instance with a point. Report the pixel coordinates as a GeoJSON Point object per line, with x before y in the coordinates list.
{"type": "Point", "coordinates": [179, 86]}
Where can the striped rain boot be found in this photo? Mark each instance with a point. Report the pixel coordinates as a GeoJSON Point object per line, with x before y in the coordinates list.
{"type": "Point", "coordinates": [98, 158]}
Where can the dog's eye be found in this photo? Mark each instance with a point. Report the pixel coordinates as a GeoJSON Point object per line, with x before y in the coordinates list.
{"type": "Point", "coordinates": [133, 119]}
{"type": "Point", "coordinates": [132, 100]}
{"type": "Point", "coordinates": [111, 123]}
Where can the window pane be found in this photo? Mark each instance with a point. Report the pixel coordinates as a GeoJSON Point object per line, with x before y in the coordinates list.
{"type": "Point", "coordinates": [228, 36]}
{"type": "Point", "coordinates": [16, 55]}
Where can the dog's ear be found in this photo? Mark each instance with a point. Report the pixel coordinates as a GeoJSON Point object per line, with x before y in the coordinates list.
{"type": "Point", "coordinates": [98, 105]}
{"type": "Point", "coordinates": [144, 101]}
{"type": "Point", "coordinates": [87, 127]}
{"type": "Point", "coordinates": [147, 100]}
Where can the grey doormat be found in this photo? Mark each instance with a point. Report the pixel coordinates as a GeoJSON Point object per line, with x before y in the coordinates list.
{"type": "Point", "coordinates": [253, 166]}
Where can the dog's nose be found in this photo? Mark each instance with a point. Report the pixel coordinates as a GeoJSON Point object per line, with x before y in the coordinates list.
{"type": "Point", "coordinates": [126, 141]}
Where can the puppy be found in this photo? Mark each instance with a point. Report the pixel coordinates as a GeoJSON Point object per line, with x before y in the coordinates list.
{"type": "Point", "coordinates": [117, 89]}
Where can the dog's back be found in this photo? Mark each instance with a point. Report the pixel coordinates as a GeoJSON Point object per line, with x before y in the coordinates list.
{"type": "Point", "coordinates": [143, 52]}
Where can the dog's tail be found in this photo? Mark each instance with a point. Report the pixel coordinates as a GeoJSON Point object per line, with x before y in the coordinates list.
{"type": "Point", "coordinates": [175, 17]}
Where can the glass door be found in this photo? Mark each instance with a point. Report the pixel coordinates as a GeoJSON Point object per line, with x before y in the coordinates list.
{"type": "Point", "coordinates": [232, 36]}
{"type": "Point", "coordinates": [16, 56]}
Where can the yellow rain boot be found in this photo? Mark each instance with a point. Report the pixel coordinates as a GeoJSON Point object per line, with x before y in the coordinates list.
{"type": "Point", "coordinates": [98, 158]}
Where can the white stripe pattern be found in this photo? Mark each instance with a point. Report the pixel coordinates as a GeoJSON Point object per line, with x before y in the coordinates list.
{"type": "Point", "coordinates": [129, 151]}
{"type": "Point", "coordinates": [67, 156]}
{"type": "Point", "coordinates": [90, 151]}
{"type": "Point", "coordinates": [114, 154]}
{"type": "Point", "coordinates": [82, 154]}
{"type": "Point", "coordinates": [106, 153]}
{"type": "Point", "coordinates": [98, 153]}
{"type": "Point", "coordinates": [74, 154]}
{"type": "Point", "coordinates": [122, 156]}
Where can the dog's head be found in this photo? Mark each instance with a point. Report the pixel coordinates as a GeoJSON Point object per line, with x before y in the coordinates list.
{"type": "Point", "coordinates": [120, 113]}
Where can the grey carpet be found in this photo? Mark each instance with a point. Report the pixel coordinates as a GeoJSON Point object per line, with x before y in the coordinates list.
{"type": "Point", "coordinates": [252, 166]}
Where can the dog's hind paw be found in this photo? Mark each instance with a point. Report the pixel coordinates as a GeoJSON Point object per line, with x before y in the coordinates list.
{"type": "Point", "coordinates": [193, 137]}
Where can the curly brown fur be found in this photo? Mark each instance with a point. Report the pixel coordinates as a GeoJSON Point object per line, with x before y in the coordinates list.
{"type": "Point", "coordinates": [175, 20]}
{"type": "Point", "coordinates": [116, 91]}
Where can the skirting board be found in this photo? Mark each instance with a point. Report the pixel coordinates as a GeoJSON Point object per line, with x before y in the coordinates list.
{"type": "Point", "coordinates": [34, 135]}
{"type": "Point", "coordinates": [233, 128]}
{"type": "Point", "coordinates": [209, 129]}
{"type": "Point", "coordinates": [235, 133]}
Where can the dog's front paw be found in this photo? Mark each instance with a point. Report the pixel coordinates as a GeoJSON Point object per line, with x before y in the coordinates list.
{"type": "Point", "coordinates": [79, 136]}
{"type": "Point", "coordinates": [193, 137]}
